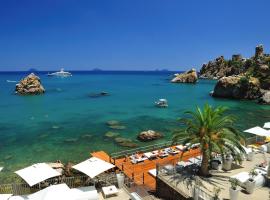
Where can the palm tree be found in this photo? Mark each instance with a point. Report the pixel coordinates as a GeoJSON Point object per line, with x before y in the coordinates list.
{"type": "Point", "coordinates": [214, 131]}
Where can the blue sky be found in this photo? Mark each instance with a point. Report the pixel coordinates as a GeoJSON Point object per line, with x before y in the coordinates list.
{"type": "Point", "coordinates": [128, 34]}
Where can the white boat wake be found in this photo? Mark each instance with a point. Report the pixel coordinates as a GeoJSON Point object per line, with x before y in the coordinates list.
{"type": "Point", "coordinates": [10, 81]}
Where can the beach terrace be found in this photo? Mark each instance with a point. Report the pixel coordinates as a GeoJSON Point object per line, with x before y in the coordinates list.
{"type": "Point", "coordinates": [184, 182]}
{"type": "Point", "coordinates": [144, 171]}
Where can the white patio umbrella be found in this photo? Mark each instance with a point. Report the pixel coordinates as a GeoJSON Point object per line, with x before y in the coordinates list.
{"type": "Point", "coordinates": [1, 168]}
{"type": "Point", "coordinates": [93, 166]}
{"type": "Point", "coordinates": [266, 125]}
{"type": "Point", "coordinates": [258, 131]}
{"type": "Point", "coordinates": [37, 173]}
{"type": "Point", "coordinates": [5, 196]}
{"type": "Point", "coordinates": [89, 193]}
{"type": "Point", "coordinates": [60, 191]}
{"type": "Point", "coordinates": [18, 198]}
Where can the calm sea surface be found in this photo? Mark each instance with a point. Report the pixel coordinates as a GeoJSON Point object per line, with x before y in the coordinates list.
{"type": "Point", "coordinates": [66, 124]}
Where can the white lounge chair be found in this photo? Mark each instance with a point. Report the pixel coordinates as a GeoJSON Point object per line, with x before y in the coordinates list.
{"type": "Point", "coordinates": [181, 147]}
{"type": "Point", "coordinates": [153, 172]}
{"type": "Point", "coordinates": [151, 155]}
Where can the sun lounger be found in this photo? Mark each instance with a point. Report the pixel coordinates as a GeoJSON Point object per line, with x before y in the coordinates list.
{"type": "Point", "coordinates": [151, 155]}
{"type": "Point", "coordinates": [153, 172]}
{"type": "Point", "coordinates": [195, 145]}
{"type": "Point", "coordinates": [135, 159]}
{"type": "Point", "coordinates": [183, 164]}
{"type": "Point", "coordinates": [181, 147]}
{"type": "Point", "coordinates": [172, 151]}
{"type": "Point", "coordinates": [194, 160]}
{"type": "Point", "coordinates": [163, 154]}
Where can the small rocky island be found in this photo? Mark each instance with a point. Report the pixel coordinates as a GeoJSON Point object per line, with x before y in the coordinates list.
{"type": "Point", "coordinates": [30, 85]}
{"type": "Point", "coordinates": [186, 77]}
{"type": "Point", "coordinates": [241, 78]}
{"type": "Point", "coordinates": [149, 135]}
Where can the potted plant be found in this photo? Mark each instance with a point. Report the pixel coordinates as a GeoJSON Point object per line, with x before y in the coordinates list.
{"type": "Point", "coordinates": [120, 179]}
{"type": "Point", "coordinates": [250, 184]}
{"type": "Point", "coordinates": [227, 162]}
{"type": "Point", "coordinates": [250, 155]}
{"type": "Point", "coordinates": [233, 189]}
{"type": "Point", "coordinates": [217, 191]}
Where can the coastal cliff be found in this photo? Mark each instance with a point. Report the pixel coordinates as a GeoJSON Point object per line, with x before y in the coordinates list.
{"type": "Point", "coordinates": [30, 85]}
{"type": "Point", "coordinates": [187, 77]}
{"type": "Point", "coordinates": [241, 78]}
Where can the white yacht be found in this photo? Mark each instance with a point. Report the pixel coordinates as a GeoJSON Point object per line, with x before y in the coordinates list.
{"type": "Point", "coordinates": [162, 103]}
{"type": "Point", "coordinates": [61, 73]}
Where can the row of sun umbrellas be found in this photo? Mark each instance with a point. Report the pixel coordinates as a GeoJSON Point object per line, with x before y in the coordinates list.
{"type": "Point", "coordinates": [39, 172]}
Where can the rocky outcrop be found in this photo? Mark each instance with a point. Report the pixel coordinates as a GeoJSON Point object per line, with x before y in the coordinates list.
{"type": "Point", "coordinates": [265, 99]}
{"type": "Point", "coordinates": [187, 77]}
{"type": "Point", "coordinates": [30, 85]}
{"type": "Point", "coordinates": [100, 94]}
{"type": "Point", "coordinates": [125, 142]}
{"type": "Point", "coordinates": [237, 87]}
{"type": "Point", "coordinates": [149, 135]}
{"type": "Point", "coordinates": [240, 78]}
{"type": "Point", "coordinates": [220, 67]}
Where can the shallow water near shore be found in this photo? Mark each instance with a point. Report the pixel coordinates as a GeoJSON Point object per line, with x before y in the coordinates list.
{"type": "Point", "coordinates": [67, 124]}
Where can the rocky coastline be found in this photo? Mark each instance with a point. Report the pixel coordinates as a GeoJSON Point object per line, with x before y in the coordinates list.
{"type": "Point", "coordinates": [240, 78]}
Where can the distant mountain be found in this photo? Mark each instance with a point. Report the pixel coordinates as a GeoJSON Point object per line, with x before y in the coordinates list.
{"type": "Point", "coordinates": [97, 69]}
{"type": "Point", "coordinates": [32, 70]}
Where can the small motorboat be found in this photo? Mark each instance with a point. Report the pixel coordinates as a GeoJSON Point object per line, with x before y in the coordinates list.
{"type": "Point", "coordinates": [61, 73]}
{"type": "Point", "coordinates": [162, 103]}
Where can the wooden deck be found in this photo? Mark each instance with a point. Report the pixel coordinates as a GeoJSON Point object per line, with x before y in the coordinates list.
{"type": "Point", "coordinates": [139, 172]}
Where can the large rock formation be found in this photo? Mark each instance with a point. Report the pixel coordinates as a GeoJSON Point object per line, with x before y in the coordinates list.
{"type": "Point", "coordinates": [187, 77]}
{"type": "Point", "coordinates": [237, 87]}
{"type": "Point", "coordinates": [149, 135]}
{"type": "Point", "coordinates": [30, 85]}
{"type": "Point", "coordinates": [241, 78]}
{"type": "Point", "coordinates": [220, 67]}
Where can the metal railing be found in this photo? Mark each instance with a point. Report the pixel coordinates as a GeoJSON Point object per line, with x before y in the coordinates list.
{"type": "Point", "coordinates": [142, 149]}
{"type": "Point", "coordinates": [115, 155]}
{"type": "Point", "coordinates": [72, 182]}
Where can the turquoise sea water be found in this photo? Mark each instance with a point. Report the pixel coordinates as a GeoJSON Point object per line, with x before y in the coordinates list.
{"type": "Point", "coordinates": [66, 124]}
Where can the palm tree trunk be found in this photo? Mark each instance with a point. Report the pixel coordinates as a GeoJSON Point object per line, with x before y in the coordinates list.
{"type": "Point", "coordinates": [204, 171]}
